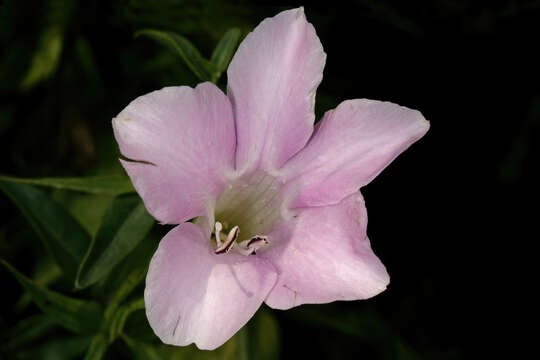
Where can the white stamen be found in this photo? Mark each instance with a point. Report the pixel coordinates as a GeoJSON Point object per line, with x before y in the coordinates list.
{"type": "Point", "coordinates": [246, 247]}
{"type": "Point", "coordinates": [229, 243]}
{"type": "Point", "coordinates": [233, 234]}
{"type": "Point", "coordinates": [219, 227]}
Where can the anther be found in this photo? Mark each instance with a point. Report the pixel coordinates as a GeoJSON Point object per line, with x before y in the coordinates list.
{"type": "Point", "coordinates": [248, 247]}
{"type": "Point", "coordinates": [229, 242]}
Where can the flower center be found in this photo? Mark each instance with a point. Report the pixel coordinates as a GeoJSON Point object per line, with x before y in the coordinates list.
{"type": "Point", "coordinates": [246, 247]}
{"type": "Point", "coordinates": [247, 210]}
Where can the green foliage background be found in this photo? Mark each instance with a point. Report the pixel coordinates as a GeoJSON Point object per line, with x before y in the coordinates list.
{"type": "Point", "coordinates": [75, 240]}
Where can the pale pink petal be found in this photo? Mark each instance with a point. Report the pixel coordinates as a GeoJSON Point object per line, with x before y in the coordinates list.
{"type": "Point", "coordinates": [194, 295]}
{"type": "Point", "coordinates": [327, 257]}
{"type": "Point", "coordinates": [349, 147]}
{"type": "Point", "coordinates": [187, 138]}
{"type": "Point", "coordinates": [272, 81]}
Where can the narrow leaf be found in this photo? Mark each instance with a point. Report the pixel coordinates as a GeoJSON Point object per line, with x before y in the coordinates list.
{"type": "Point", "coordinates": [102, 185]}
{"type": "Point", "coordinates": [45, 60]}
{"type": "Point", "coordinates": [118, 284]}
{"type": "Point", "coordinates": [125, 223]}
{"type": "Point", "coordinates": [87, 209]}
{"type": "Point", "coordinates": [264, 339]}
{"type": "Point", "coordinates": [142, 351]}
{"type": "Point", "coordinates": [242, 344]}
{"type": "Point", "coordinates": [97, 348]}
{"type": "Point", "coordinates": [202, 68]}
{"type": "Point", "coordinates": [79, 316]}
{"type": "Point", "coordinates": [224, 50]}
{"type": "Point", "coordinates": [121, 316]}
{"type": "Point", "coordinates": [138, 328]}
{"type": "Point", "coordinates": [130, 282]}
{"type": "Point", "coordinates": [64, 347]}
{"type": "Point", "coordinates": [46, 272]}
{"type": "Point", "coordinates": [30, 329]}
{"type": "Point", "coordinates": [60, 233]}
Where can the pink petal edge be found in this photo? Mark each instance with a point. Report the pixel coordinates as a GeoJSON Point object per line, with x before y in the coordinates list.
{"type": "Point", "coordinates": [350, 146]}
{"type": "Point", "coordinates": [327, 258]}
{"type": "Point", "coordinates": [195, 296]}
{"type": "Point", "coordinates": [272, 81]}
{"type": "Point", "coordinates": [186, 137]}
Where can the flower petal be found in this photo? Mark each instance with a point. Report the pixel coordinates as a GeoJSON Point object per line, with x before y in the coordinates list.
{"type": "Point", "coordinates": [350, 146]}
{"type": "Point", "coordinates": [194, 295]}
{"type": "Point", "coordinates": [272, 82]}
{"type": "Point", "coordinates": [186, 137]}
{"type": "Point", "coordinates": [327, 258]}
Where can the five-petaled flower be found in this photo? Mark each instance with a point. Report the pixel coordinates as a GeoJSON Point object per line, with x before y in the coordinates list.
{"type": "Point", "coordinates": [280, 219]}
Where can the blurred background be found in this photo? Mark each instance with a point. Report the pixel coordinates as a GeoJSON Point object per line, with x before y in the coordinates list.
{"type": "Point", "coordinates": [437, 215]}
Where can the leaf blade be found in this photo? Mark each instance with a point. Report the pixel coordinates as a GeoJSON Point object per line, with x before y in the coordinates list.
{"type": "Point", "coordinates": [63, 347]}
{"type": "Point", "coordinates": [98, 348]}
{"type": "Point", "coordinates": [120, 317]}
{"type": "Point", "coordinates": [132, 280]}
{"type": "Point", "coordinates": [99, 185]}
{"type": "Point", "coordinates": [28, 330]}
{"type": "Point", "coordinates": [224, 51]}
{"type": "Point", "coordinates": [141, 351]}
{"type": "Point", "coordinates": [125, 224]}
{"type": "Point", "coordinates": [60, 233]}
{"type": "Point", "coordinates": [73, 314]}
{"type": "Point", "coordinates": [181, 46]}
{"type": "Point", "coordinates": [46, 58]}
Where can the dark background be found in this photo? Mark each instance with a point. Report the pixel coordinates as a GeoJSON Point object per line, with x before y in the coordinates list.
{"type": "Point", "coordinates": [439, 215]}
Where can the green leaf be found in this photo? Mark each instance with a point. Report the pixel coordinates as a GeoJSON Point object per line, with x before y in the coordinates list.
{"type": "Point", "coordinates": [102, 185]}
{"type": "Point", "coordinates": [120, 317]}
{"type": "Point", "coordinates": [60, 233]}
{"type": "Point", "coordinates": [28, 330]}
{"type": "Point", "coordinates": [125, 223]}
{"type": "Point", "coordinates": [224, 50]}
{"type": "Point", "coordinates": [65, 348]}
{"type": "Point", "coordinates": [129, 283]}
{"type": "Point", "coordinates": [202, 68]}
{"type": "Point", "coordinates": [97, 348]}
{"type": "Point", "coordinates": [56, 17]}
{"type": "Point", "coordinates": [127, 275]}
{"type": "Point", "coordinates": [259, 339]}
{"type": "Point", "coordinates": [242, 344]}
{"type": "Point", "coordinates": [142, 351]}
{"type": "Point", "coordinates": [148, 351]}
{"type": "Point", "coordinates": [264, 340]}
{"type": "Point", "coordinates": [79, 316]}
{"type": "Point", "coordinates": [45, 273]}
{"type": "Point", "coordinates": [138, 328]}
{"type": "Point", "coordinates": [87, 209]}
{"type": "Point", "coordinates": [45, 60]}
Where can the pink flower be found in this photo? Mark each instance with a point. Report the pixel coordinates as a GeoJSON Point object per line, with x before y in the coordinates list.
{"type": "Point", "coordinates": [280, 219]}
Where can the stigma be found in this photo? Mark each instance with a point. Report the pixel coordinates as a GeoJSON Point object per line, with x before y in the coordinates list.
{"type": "Point", "coordinates": [246, 247]}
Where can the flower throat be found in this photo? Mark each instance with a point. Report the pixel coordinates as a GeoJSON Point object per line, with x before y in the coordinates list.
{"type": "Point", "coordinates": [247, 210]}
